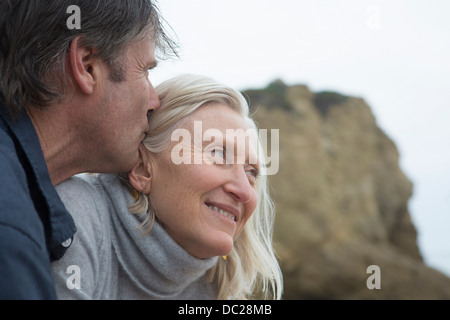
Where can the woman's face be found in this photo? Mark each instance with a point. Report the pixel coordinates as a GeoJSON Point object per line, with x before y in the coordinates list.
{"type": "Point", "coordinates": [203, 186]}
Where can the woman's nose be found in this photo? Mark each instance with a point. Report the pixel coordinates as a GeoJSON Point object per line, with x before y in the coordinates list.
{"type": "Point", "coordinates": [239, 187]}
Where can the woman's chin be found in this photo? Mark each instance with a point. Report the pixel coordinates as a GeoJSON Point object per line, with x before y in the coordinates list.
{"type": "Point", "coordinates": [217, 247]}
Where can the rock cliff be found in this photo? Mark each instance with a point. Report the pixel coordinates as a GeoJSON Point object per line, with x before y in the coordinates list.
{"type": "Point", "coordinates": [341, 200]}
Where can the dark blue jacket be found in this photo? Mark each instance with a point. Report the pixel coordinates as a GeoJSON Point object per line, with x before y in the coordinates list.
{"type": "Point", "coordinates": [34, 223]}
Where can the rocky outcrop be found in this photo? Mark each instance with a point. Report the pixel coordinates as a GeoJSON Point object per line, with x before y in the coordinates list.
{"type": "Point", "coordinates": [341, 201]}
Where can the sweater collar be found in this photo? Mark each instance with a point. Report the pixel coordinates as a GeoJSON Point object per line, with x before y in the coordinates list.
{"type": "Point", "coordinates": [154, 262]}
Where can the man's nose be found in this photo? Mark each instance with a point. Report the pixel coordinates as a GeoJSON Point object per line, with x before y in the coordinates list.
{"type": "Point", "coordinates": [154, 103]}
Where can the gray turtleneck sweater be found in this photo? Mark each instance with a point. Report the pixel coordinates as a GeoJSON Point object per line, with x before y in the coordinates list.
{"type": "Point", "coordinates": [110, 258]}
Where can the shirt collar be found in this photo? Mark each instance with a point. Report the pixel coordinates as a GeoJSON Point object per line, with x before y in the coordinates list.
{"type": "Point", "coordinates": [61, 225]}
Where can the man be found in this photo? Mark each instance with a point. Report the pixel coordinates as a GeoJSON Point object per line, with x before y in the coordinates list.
{"type": "Point", "coordinates": [71, 100]}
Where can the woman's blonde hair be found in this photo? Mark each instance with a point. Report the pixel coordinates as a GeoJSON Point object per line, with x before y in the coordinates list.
{"type": "Point", "coordinates": [251, 270]}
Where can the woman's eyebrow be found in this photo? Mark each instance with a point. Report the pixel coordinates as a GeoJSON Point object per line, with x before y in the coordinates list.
{"type": "Point", "coordinates": [213, 139]}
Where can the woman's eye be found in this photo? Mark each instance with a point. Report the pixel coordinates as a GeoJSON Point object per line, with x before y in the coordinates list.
{"type": "Point", "coordinates": [253, 172]}
{"type": "Point", "coordinates": [218, 152]}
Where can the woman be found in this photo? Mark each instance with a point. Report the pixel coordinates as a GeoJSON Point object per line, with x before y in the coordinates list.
{"type": "Point", "coordinates": [192, 220]}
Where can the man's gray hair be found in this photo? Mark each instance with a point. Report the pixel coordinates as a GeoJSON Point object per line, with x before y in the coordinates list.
{"type": "Point", "coordinates": [35, 39]}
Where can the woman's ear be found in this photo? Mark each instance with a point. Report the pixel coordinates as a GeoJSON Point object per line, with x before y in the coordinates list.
{"type": "Point", "coordinates": [141, 176]}
{"type": "Point", "coordinates": [82, 62]}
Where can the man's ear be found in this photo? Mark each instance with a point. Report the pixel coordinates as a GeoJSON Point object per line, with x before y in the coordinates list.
{"type": "Point", "coordinates": [141, 175]}
{"type": "Point", "coordinates": [82, 62]}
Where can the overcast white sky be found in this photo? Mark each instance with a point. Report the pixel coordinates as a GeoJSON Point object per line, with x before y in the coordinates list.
{"type": "Point", "coordinates": [393, 53]}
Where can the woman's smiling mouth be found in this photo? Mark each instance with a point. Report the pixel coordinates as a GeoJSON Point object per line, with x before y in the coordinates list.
{"type": "Point", "coordinates": [222, 212]}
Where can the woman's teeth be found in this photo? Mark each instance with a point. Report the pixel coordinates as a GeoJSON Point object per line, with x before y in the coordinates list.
{"type": "Point", "coordinates": [222, 212]}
